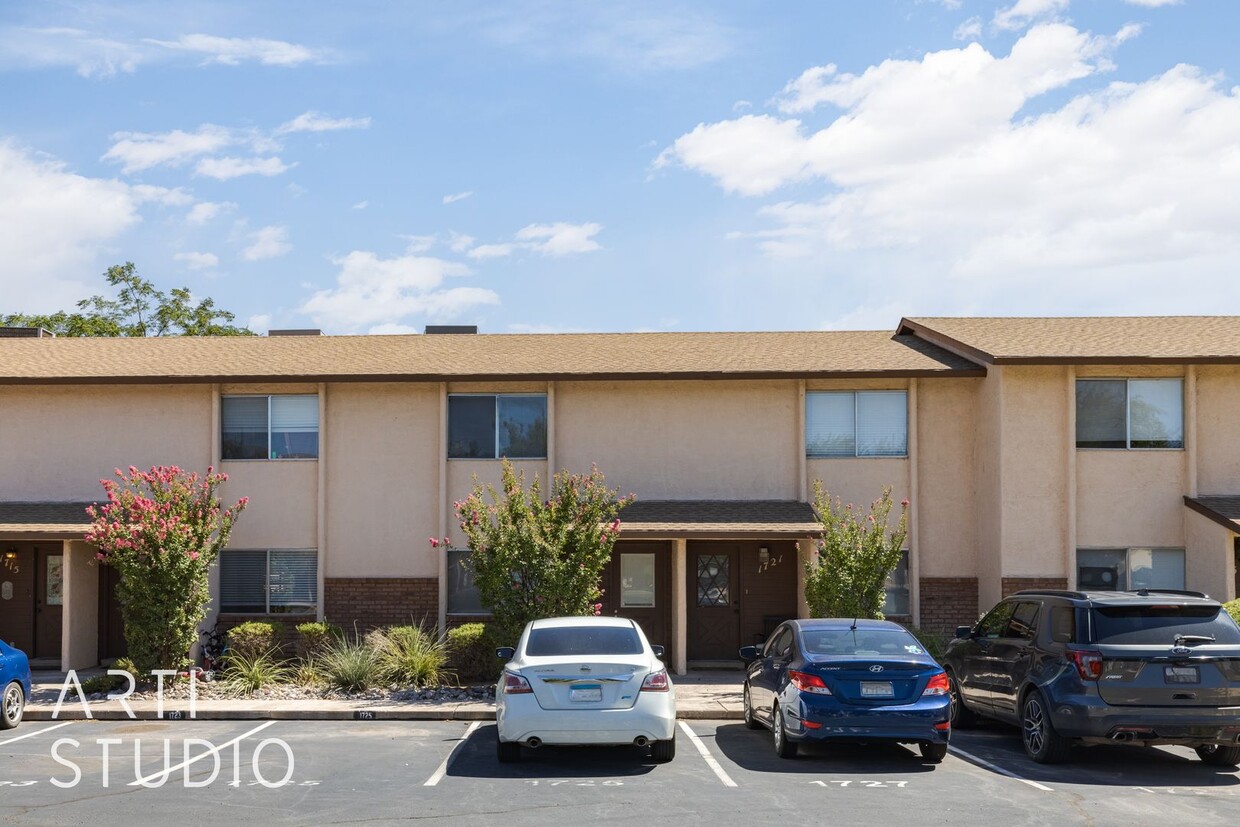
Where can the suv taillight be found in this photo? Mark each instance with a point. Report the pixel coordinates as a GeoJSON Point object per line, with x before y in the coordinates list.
{"type": "Point", "coordinates": [516, 685]}
{"type": "Point", "coordinates": [808, 683]}
{"type": "Point", "coordinates": [937, 686]}
{"type": "Point", "coordinates": [1088, 663]}
{"type": "Point", "coordinates": [656, 682]}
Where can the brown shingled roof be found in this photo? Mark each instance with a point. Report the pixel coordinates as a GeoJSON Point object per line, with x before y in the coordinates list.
{"type": "Point", "coordinates": [48, 520]}
{"type": "Point", "coordinates": [719, 518]}
{"type": "Point", "coordinates": [1085, 340]}
{"type": "Point", "coordinates": [1223, 510]}
{"type": "Point", "coordinates": [479, 357]}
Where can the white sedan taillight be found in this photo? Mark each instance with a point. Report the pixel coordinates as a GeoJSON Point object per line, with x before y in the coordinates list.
{"type": "Point", "coordinates": [515, 684]}
{"type": "Point", "coordinates": [656, 682]}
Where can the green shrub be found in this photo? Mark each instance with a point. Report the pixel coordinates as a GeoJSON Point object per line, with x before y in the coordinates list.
{"type": "Point", "coordinates": [315, 637]}
{"type": "Point", "coordinates": [247, 673]}
{"type": "Point", "coordinates": [350, 665]}
{"type": "Point", "coordinates": [103, 683]}
{"type": "Point", "coordinates": [1233, 609]}
{"type": "Point", "coordinates": [127, 665]}
{"type": "Point", "coordinates": [308, 673]}
{"type": "Point", "coordinates": [250, 640]}
{"type": "Point", "coordinates": [934, 641]}
{"type": "Point", "coordinates": [409, 655]}
{"type": "Point", "coordinates": [471, 651]}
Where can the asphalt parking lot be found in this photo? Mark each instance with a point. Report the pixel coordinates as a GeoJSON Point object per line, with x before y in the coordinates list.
{"type": "Point", "coordinates": [303, 772]}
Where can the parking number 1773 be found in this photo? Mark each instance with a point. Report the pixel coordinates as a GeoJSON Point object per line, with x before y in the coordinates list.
{"type": "Point", "coordinates": [850, 783]}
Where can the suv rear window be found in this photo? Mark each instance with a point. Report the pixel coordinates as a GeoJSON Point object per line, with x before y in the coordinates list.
{"type": "Point", "coordinates": [1159, 625]}
{"type": "Point", "coordinates": [583, 640]}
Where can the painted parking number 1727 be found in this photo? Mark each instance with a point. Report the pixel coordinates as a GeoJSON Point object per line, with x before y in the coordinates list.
{"type": "Point", "coordinates": [850, 783]}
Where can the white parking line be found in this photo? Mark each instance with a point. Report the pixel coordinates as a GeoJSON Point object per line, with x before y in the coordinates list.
{"type": "Point", "coordinates": [992, 767]}
{"type": "Point", "coordinates": [36, 732]}
{"type": "Point", "coordinates": [710, 759]}
{"type": "Point", "coordinates": [142, 782]}
{"type": "Point", "coordinates": [443, 767]}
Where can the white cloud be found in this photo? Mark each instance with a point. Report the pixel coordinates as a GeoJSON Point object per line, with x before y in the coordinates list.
{"type": "Point", "coordinates": [88, 54]}
{"type": "Point", "coordinates": [54, 227]}
{"type": "Point", "coordinates": [137, 151]}
{"type": "Point", "coordinates": [360, 205]}
{"type": "Point", "coordinates": [228, 167]}
{"type": "Point", "coordinates": [559, 239]}
{"type": "Point", "coordinates": [373, 292]}
{"type": "Point", "coordinates": [1023, 12]}
{"type": "Point", "coordinates": [259, 322]}
{"type": "Point", "coordinates": [1153, 4]}
{"type": "Point", "coordinates": [970, 29]}
{"type": "Point", "coordinates": [999, 198]}
{"type": "Point", "coordinates": [460, 196]}
{"type": "Point", "coordinates": [205, 211]}
{"type": "Point", "coordinates": [269, 242]}
{"type": "Point", "coordinates": [317, 122]}
{"type": "Point", "coordinates": [233, 51]}
{"type": "Point", "coordinates": [198, 261]}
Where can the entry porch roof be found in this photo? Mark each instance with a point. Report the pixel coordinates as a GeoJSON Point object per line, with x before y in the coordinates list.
{"type": "Point", "coordinates": [1223, 510]}
{"type": "Point", "coordinates": [733, 519]}
{"type": "Point", "coordinates": [43, 520]}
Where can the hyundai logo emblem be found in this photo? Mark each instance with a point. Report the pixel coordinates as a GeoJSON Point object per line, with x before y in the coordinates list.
{"type": "Point", "coordinates": [1181, 650]}
{"type": "Point", "coordinates": [585, 669]}
{"type": "Point", "coordinates": [876, 668]}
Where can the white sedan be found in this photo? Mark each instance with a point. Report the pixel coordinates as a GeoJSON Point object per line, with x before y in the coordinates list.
{"type": "Point", "coordinates": [584, 680]}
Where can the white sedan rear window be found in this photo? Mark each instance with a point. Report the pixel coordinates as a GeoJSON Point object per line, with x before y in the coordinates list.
{"type": "Point", "coordinates": [583, 640]}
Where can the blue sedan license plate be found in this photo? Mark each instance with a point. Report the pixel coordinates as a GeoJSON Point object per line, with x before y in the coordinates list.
{"type": "Point", "coordinates": [585, 692]}
{"type": "Point", "coordinates": [876, 689]}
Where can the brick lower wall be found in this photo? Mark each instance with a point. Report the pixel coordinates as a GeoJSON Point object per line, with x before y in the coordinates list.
{"type": "Point", "coordinates": [1012, 585]}
{"type": "Point", "coordinates": [948, 602]}
{"type": "Point", "coordinates": [368, 602]}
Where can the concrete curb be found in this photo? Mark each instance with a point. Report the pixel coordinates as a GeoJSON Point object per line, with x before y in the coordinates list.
{"type": "Point", "coordinates": [75, 713]}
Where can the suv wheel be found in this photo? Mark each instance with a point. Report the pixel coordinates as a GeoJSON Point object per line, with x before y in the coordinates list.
{"type": "Point", "coordinates": [1219, 755]}
{"type": "Point", "coordinates": [962, 716]}
{"type": "Point", "coordinates": [1042, 743]}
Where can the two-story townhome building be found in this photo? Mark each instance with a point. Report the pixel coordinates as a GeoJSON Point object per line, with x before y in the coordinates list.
{"type": "Point", "coordinates": [1099, 452]}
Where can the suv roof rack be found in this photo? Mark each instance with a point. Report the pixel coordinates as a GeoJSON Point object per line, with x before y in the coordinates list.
{"type": "Point", "coordinates": [1088, 595]}
{"type": "Point", "coordinates": [1053, 593]}
{"type": "Point", "coordinates": [1177, 592]}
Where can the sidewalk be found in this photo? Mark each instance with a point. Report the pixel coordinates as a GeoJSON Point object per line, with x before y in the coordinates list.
{"type": "Point", "coordinates": [707, 695]}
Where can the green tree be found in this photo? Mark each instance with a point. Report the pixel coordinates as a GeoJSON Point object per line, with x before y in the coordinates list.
{"type": "Point", "coordinates": [856, 554]}
{"type": "Point", "coordinates": [138, 310]}
{"type": "Point", "coordinates": [162, 529]}
{"type": "Point", "coordinates": [534, 557]}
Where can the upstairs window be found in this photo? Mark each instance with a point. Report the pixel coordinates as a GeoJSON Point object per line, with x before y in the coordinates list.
{"type": "Point", "coordinates": [270, 427]}
{"type": "Point", "coordinates": [1129, 413]}
{"type": "Point", "coordinates": [856, 424]}
{"type": "Point", "coordinates": [490, 426]}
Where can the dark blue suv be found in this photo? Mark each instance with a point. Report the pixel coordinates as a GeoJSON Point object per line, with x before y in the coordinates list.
{"type": "Point", "coordinates": [1145, 667]}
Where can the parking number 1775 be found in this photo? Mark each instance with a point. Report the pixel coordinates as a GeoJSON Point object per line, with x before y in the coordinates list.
{"type": "Point", "coordinates": [851, 783]}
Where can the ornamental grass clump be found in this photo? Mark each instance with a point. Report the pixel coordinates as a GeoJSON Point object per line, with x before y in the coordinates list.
{"type": "Point", "coordinates": [533, 557]}
{"type": "Point", "coordinates": [248, 673]}
{"type": "Point", "coordinates": [856, 554]}
{"type": "Point", "coordinates": [162, 529]}
{"type": "Point", "coordinates": [410, 656]}
{"type": "Point", "coordinates": [351, 665]}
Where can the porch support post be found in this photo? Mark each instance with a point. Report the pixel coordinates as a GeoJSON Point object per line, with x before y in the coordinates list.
{"type": "Point", "coordinates": [680, 609]}
{"type": "Point", "coordinates": [79, 636]}
{"type": "Point", "coordinates": [805, 553]}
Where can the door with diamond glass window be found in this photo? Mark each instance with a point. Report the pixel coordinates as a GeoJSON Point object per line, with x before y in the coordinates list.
{"type": "Point", "coordinates": [713, 601]}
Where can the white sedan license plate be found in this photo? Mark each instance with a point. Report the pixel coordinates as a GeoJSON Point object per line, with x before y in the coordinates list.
{"type": "Point", "coordinates": [585, 693]}
{"type": "Point", "coordinates": [876, 689]}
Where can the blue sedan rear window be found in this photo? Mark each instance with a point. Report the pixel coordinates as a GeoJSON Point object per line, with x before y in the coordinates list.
{"type": "Point", "coordinates": [864, 642]}
{"type": "Point", "coordinates": [583, 640]}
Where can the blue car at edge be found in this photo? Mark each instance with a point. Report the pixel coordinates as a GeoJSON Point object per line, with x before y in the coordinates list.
{"type": "Point", "coordinates": [840, 679]}
{"type": "Point", "coordinates": [14, 684]}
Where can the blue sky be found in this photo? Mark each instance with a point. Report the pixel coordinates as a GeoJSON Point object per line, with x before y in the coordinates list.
{"type": "Point", "coordinates": [371, 167]}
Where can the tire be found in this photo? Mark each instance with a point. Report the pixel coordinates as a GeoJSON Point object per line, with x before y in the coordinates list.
{"type": "Point", "coordinates": [661, 752]}
{"type": "Point", "coordinates": [934, 753]}
{"type": "Point", "coordinates": [784, 747]}
{"type": "Point", "coordinates": [1218, 755]}
{"type": "Point", "coordinates": [962, 716]}
{"type": "Point", "coordinates": [14, 705]}
{"type": "Point", "coordinates": [1042, 743]}
{"type": "Point", "coordinates": [750, 721]}
{"type": "Point", "coordinates": [508, 752]}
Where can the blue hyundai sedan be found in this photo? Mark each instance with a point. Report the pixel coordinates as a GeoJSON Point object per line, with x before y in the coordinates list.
{"type": "Point", "coordinates": [847, 680]}
{"type": "Point", "coordinates": [14, 684]}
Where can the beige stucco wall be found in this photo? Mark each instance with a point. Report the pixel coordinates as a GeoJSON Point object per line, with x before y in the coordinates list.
{"type": "Point", "coordinates": [59, 441]}
{"type": "Point", "coordinates": [988, 476]}
{"type": "Point", "coordinates": [860, 480]}
{"type": "Point", "coordinates": [683, 440]}
{"type": "Point", "coordinates": [1218, 429]}
{"type": "Point", "coordinates": [80, 631]}
{"type": "Point", "coordinates": [1130, 498]}
{"type": "Point", "coordinates": [283, 509]}
{"type": "Point", "coordinates": [1208, 556]}
{"type": "Point", "coordinates": [946, 467]}
{"type": "Point", "coordinates": [382, 458]}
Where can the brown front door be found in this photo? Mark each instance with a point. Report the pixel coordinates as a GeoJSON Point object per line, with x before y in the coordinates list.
{"type": "Point", "coordinates": [17, 595]}
{"type": "Point", "coordinates": [49, 584]}
{"type": "Point", "coordinates": [111, 622]}
{"type": "Point", "coordinates": [636, 585]}
{"type": "Point", "coordinates": [713, 601]}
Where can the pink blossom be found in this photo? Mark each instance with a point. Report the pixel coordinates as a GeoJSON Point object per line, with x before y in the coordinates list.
{"type": "Point", "coordinates": [193, 555]}
{"type": "Point", "coordinates": [434, 542]}
{"type": "Point", "coordinates": [99, 555]}
{"type": "Point", "coordinates": [904, 502]}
